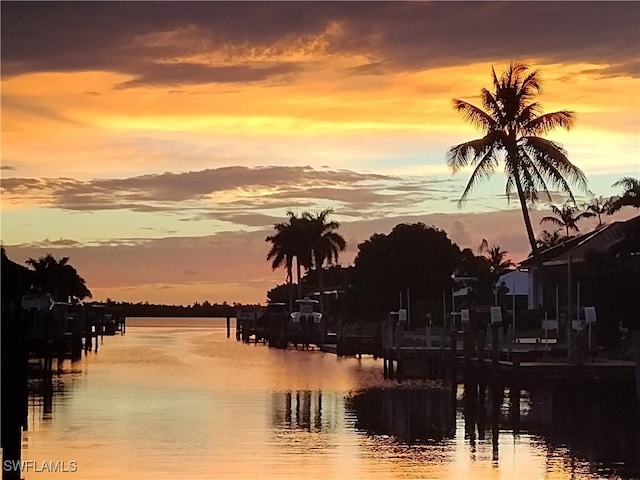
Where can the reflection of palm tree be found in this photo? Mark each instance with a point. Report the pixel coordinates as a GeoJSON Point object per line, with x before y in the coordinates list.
{"type": "Point", "coordinates": [324, 242]}
{"type": "Point", "coordinates": [512, 123]}
{"type": "Point", "coordinates": [630, 197]}
{"type": "Point", "coordinates": [598, 206]}
{"type": "Point", "coordinates": [59, 278]}
{"type": "Point", "coordinates": [567, 217]}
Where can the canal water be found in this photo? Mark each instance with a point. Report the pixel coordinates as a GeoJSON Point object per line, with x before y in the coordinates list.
{"type": "Point", "coordinates": [175, 399]}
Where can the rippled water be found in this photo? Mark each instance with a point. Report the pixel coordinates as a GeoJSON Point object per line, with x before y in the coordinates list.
{"type": "Point", "coordinates": [185, 402]}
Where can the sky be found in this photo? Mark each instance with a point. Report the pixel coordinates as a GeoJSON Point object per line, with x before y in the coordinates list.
{"type": "Point", "coordinates": [156, 144]}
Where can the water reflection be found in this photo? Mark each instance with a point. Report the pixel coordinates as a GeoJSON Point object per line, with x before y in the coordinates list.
{"type": "Point", "coordinates": [597, 435]}
{"type": "Point", "coordinates": [187, 403]}
{"type": "Point", "coordinates": [409, 415]}
{"type": "Point", "coordinates": [302, 410]}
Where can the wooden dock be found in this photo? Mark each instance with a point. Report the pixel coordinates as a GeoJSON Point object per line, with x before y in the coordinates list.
{"type": "Point", "coordinates": [452, 356]}
{"type": "Point", "coordinates": [34, 335]}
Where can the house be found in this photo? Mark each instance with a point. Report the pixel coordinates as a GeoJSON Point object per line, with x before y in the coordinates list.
{"type": "Point", "coordinates": [564, 264]}
{"type": "Point", "coordinates": [16, 282]}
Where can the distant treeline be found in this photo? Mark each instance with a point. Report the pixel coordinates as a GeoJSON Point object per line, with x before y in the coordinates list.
{"type": "Point", "coordinates": [205, 309]}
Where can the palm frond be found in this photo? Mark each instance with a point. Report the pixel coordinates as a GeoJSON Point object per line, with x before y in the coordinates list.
{"type": "Point", "coordinates": [539, 178]}
{"type": "Point", "coordinates": [530, 85]}
{"type": "Point", "coordinates": [551, 158]}
{"type": "Point", "coordinates": [528, 181]}
{"type": "Point", "coordinates": [490, 104]}
{"type": "Point", "coordinates": [556, 210]}
{"type": "Point", "coordinates": [585, 214]}
{"type": "Point", "coordinates": [494, 78]}
{"type": "Point", "coordinates": [529, 112]}
{"type": "Point", "coordinates": [543, 124]}
{"type": "Point", "coordinates": [552, 220]}
{"type": "Point", "coordinates": [483, 171]}
{"type": "Point", "coordinates": [460, 156]}
{"type": "Point", "coordinates": [469, 153]}
{"type": "Point", "coordinates": [474, 115]}
{"type": "Point", "coordinates": [628, 183]}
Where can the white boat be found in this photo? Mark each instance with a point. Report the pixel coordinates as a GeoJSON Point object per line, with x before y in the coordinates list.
{"type": "Point", "coordinates": [305, 314]}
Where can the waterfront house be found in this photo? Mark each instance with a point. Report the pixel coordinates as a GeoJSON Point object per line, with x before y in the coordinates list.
{"type": "Point", "coordinates": [564, 264]}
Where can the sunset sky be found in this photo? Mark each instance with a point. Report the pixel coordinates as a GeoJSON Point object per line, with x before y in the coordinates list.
{"type": "Point", "coordinates": [156, 144]}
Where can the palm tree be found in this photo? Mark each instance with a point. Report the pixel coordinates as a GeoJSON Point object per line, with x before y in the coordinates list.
{"type": "Point", "coordinates": [281, 252]}
{"type": "Point", "coordinates": [58, 278]}
{"type": "Point", "coordinates": [324, 242]}
{"type": "Point", "coordinates": [567, 217]}
{"type": "Point", "coordinates": [630, 197]}
{"type": "Point", "coordinates": [598, 206]}
{"type": "Point", "coordinates": [513, 125]}
{"type": "Point", "coordinates": [495, 258]}
{"type": "Point", "coordinates": [549, 239]}
{"type": "Point", "coordinates": [289, 242]}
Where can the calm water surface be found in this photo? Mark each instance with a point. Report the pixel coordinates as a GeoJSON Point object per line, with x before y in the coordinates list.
{"type": "Point", "coordinates": [177, 402]}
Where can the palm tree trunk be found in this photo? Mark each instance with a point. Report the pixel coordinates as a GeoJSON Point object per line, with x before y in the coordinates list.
{"type": "Point", "coordinates": [321, 286]}
{"type": "Point", "coordinates": [531, 236]}
{"type": "Point", "coordinates": [290, 283]}
{"type": "Point", "coordinates": [318, 263]}
{"type": "Point", "coordinates": [298, 273]}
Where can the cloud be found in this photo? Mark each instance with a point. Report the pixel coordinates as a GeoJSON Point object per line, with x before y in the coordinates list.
{"type": "Point", "coordinates": [183, 73]}
{"type": "Point", "coordinates": [59, 243]}
{"type": "Point", "coordinates": [166, 43]}
{"type": "Point", "coordinates": [248, 219]}
{"type": "Point", "coordinates": [163, 192]}
{"type": "Point", "coordinates": [241, 196]}
{"type": "Point", "coordinates": [7, 167]}
{"type": "Point", "coordinates": [27, 106]}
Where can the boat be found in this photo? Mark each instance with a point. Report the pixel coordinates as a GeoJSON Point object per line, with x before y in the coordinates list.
{"type": "Point", "coordinates": [306, 314]}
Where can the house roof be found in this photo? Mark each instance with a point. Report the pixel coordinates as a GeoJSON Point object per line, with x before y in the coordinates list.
{"type": "Point", "coordinates": [600, 240]}
{"type": "Point", "coordinates": [16, 279]}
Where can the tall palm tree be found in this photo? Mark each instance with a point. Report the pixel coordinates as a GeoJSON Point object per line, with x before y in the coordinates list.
{"type": "Point", "coordinates": [598, 206]}
{"type": "Point", "coordinates": [513, 124]}
{"type": "Point", "coordinates": [325, 243]}
{"type": "Point", "coordinates": [567, 217]}
{"type": "Point", "coordinates": [281, 252]}
{"type": "Point", "coordinates": [631, 195]}
{"type": "Point", "coordinates": [287, 244]}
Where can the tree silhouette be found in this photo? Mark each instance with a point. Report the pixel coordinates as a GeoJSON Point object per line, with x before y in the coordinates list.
{"type": "Point", "coordinates": [58, 278]}
{"type": "Point", "coordinates": [549, 239]}
{"type": "Point", "coordinates": [630, 197]}
{"type": "Point", "coordinates": [286, 244]}
{"type": "Point", "coordinates": [324, 243]}
{"type": "Point", "coordinates": [567, 217]}
{"type": "Point", "coordinates": [310, 239]}
{"type": "Point", "coordinates": [412, 256]}
{"type": "Point", "coordinates": [496, 258]}
{"type": "Point", "coordinates": [512, 123]}
{"type": "Point", "coordinates": [598, 206]}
